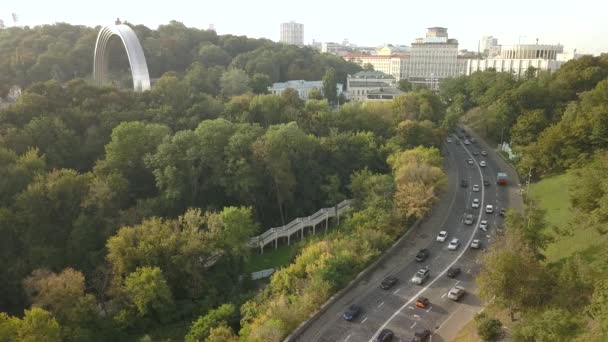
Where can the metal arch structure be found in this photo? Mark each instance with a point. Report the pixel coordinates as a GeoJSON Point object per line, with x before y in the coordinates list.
{"type": "Point", "coordinates": [135, 53]}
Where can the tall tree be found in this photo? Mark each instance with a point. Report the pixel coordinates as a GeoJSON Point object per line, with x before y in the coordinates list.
{"type": "Point", "coordinates": [330, 83]}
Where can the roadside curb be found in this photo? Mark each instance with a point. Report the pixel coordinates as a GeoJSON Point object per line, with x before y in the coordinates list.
{"type": "Point", "coordinates": [303, 326]}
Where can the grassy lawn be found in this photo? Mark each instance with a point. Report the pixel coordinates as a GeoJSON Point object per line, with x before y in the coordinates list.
{"type": "Point", "coordinates": [271, 258]}
{"type": "Point", "coordinates": [552, 195]}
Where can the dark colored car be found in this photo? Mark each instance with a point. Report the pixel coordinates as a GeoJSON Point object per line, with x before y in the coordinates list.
{"type": "Point", "coordinates": [486, 182]}
{"type": "Point", "coordinates": [421, 335]}
{"type": "Point", "coordinates": [502, 212]}
{"type": "Point", "coordinates": [385, 335]}
{"type": "Point", "coordinates": [422, 255]}
{"type": "Point", "coordinates": [352, 312]}
{"type": "Point", "coordinates": [472, 140]}
{"type": "Point", "coordinates": [453, 272]}
{"type": "Point", "coordinates": [464, 183]}
{"type": "Point", "coordinates": [388, 282]}
{"type": "Point", "coordinates": [475, 153]}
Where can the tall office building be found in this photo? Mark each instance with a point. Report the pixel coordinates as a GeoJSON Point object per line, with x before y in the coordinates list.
{"type": "Point", "coordinates": [487, 44]}
{"type": "Point", "coordinates": [292, 33]}
{"type": "Point", "coordinates": [434, 58]}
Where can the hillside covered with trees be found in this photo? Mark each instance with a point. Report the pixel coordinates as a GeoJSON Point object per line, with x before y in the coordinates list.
{"type": "Point", "coordinates": [125, 214]}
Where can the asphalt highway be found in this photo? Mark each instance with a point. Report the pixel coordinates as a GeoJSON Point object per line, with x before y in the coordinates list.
{"type": "Point", "coordinates": [395, 308]}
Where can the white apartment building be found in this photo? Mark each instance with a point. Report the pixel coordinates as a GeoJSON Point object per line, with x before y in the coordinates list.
{"type": "Point", "coordinates": [487, 44]}
{"type": "Point", "coordinates": [394, 65]}
{"type": "Point", "coordinates": [302, 87]}
{"type": "Point", "coordinates": [516, 59]}
{"type": "Point", "coordinates": [517, 67]}
{"type": "Point", "coordinates": [366, 83]}
{"type": "Point", "coordinates": [434, 58]}
{"type": "Point", "coordinates": [292, 33]}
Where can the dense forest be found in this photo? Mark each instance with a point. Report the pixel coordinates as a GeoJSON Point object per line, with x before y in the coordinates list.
{"type": "Point", "coordinates": [125, 215]}
{"type": "Point", "coordinates": [63, 52]}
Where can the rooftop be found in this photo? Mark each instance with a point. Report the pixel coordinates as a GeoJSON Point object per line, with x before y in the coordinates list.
{"type": "Point", "coordinates": [297, 84]}
{"type": "Point", "coordinates": [371, 74]}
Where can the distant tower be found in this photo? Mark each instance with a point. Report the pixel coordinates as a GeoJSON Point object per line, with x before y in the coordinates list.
{"type": "Point", "coordinates": [117, 22]}
{"type": "Point", "coordinates": [292, 33]}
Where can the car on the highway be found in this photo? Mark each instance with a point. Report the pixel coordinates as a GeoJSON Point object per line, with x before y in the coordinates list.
{"type": "Point", "coordinates": [475, 203]}
{"type": "Point", "coordinates": [421, 276]}
{"type": "Point", "coordinates": [352, 312]}
{"type": "Point", "coordinates": [502, 212]}
{"type": "Point", "coordinates": [388, 282]}
{"type": "Point", "coordinates": [454, 244]}
{"type": "Point", "coordinates": [420, 336]}
{"type": "Point", "coordinates": [456, 292]}
{"type": "Point", "coordinates": [484, 153]}
{"type": "Point", "coordinates": [453, 272]}
{"type": "Point", "coordinates": [386, 335]}
{"type": "Point", "coordinates": [483, 225]}
{"type": "Point", "coordinates": [472, 140]}
{"type": "Point", "coordinates": [489, 209]}
{"type": "Point", "coordinates": [476, 244]}
{"type": "Point", "coordinates": [422, 302]}
{"type": "Point", "coordinates": [442, 236]}
{"type": "Point", "coordinates": [475, 153]}
{"type": "Point", "coordinates": [464, 183]}
{"type": "Point", "coordinates": [483, 163]}
{"type": "Point", "coordinates": [470, 161]}
{"type": "Point", "coordinates": [486, 182]}
{"type": "Point", "coordinates": [475, 188]}
{"type": "Point", "coordinates": [422, 255]}
{"type": "Point", "coordinates": [457, 142]}
{"type": "Point", "coordinates": [468, 219]}
{"type": "Point", "coordinates": [448, 140]}
{"type": "Point", "coordinates": [467, 142]}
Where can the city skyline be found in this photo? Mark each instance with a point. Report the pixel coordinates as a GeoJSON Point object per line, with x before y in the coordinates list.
{"type": "Point", "coordinates": [572, 26]}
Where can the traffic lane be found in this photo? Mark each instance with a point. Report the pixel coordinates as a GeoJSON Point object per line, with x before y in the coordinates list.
{"type": "Point", "coordinates": [440, 307]}
{"type": "Point", "coordinates": [367, 292]}
{"type": "Point", "coordinates": [404, 271]}
{"type": "Point", "coordinates": [442, 268]}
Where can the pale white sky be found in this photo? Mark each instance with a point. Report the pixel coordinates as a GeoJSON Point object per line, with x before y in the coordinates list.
{"type": "Point", "coordinates": [580, 24]}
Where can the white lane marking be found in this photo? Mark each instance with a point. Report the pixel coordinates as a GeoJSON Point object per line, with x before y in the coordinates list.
{"type": "Point", "coordinates": [365, 319]}
{"type": "Point", "coordinates": [411, 308]}
{"type": "Point", "coordinates": [457, 282]}
{"type": "Point", "coordinates": [413, 325]}
{"type": "Point", "coordinates": [347, 337]}
{"type": "Point", "coordinates": [380, 305]}
{"type": "Point", "coordinates": [397, 290]}
{"type": "Point", "coordinates": [440, 275]}
{"type": "Point", "coordinates": [444, 295]}
{"type": "Point", "coordinates": [469, 271]}
{"type": "Point", "coordinates": [429, 309]}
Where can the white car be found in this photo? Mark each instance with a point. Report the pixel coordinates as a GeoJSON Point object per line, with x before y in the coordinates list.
{"type": "Point", "coordinates": [475, 203]}
{"type": "Point", "coordinates": [442, 236]}
{"type": "Point", "coordinates": [466, 142]}
{"type": "Point", "coordinates": [483, 225]}
{"type": "Point", "coordinates": [489, 209]}
{"type": "Point", "coordinates": [454, 244]}
{"type": "Point", "coordinates": [420, 276]}
{"type": "Point", "coordinates": [476, 188]}
{"type": "Point", "coordinates": [456, 292]}
{"type": "Point", "coordinates": [475, 244]}
{"type": "Point", "coordinates": [484, 153]}
{"type": "Point", "coordinates": [482, 163]}
{"type": "Point", "coordinates": [449, 140]}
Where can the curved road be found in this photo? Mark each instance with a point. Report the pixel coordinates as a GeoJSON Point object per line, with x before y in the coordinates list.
{"type": "Point", "coordinates": [394, 308]}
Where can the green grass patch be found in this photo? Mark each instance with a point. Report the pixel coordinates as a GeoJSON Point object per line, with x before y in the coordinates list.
{"type": "Point", "coordinates": [552, 195]}
{"type": "Point", "coordinates": [272, 258]}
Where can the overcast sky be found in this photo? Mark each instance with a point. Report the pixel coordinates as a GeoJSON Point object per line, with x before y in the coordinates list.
{"type": "Point", "coordinates": [580, 24]}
